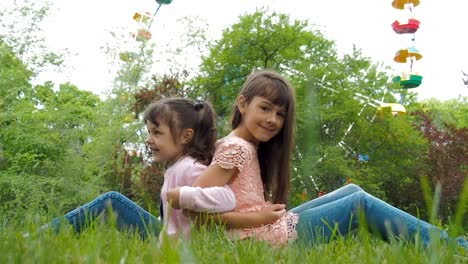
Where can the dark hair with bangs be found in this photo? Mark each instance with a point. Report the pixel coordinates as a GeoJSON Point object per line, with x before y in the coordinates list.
{"type": "Point", "coordinates": [179, 114]}
{"type": "Point", "coordinates": [274, 156]}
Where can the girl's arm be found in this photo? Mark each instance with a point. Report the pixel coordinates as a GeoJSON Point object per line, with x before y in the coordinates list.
{"type": "Point", "coordinates": [253, 219]}
{"type": "Point", "coordinates": [214, 175]}
{"type": "Point", "coordinates": [201, 198]}
{"type": "Point", "coordinates": [234, 220]}
{"type": "Point", "coordinates": [212, 199]}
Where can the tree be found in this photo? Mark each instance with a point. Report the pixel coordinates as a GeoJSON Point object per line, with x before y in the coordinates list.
{"type": "Point", "coordinates": [38, 137]}
{"type": "Point", "coordinates": [443, 124]}
{"type": "Point", "coordinates": [259, 40]}
{"type": "Point", "coordinates": [22, 30]}
{"type": "Point", "coordinates": [43, 133]}
{"type": "Point", "coordinates": [335, 96]}
{"type": "Point", "coordinates": [449, 112]}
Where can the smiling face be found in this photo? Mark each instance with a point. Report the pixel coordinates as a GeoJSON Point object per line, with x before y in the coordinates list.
{"type": "Point", "coordinates": [261, 119]}
{"type": "Point", "coordinates": [162, 144]}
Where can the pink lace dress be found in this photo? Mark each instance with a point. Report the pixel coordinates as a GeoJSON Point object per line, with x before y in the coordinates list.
{"type": "Point", "coordinates": [235, 152]}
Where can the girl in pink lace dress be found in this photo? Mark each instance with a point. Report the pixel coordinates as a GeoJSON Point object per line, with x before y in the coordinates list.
{"type": "Point", "coordinates": [263, 126]}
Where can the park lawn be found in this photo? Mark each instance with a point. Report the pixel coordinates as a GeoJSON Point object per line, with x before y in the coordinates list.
{"type": "Point", "coordinates": [105, 244]}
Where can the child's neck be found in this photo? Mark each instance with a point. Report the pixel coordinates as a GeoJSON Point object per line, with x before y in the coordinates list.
{"type": "Point", "coordinates": [245, 135]}
{"type": "Point", "coordinates": [172, 163]}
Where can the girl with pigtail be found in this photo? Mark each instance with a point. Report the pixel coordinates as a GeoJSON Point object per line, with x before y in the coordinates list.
{"type": "Point", "coordinates": [181, 134]}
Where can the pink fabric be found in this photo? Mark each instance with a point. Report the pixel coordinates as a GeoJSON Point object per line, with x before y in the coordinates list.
{"type": "Point", "coordinates": [212, 200]}
{"type": "Point", "coordinates": [183, 173]}
{"type": "Point", "coordinates": [235, 152]}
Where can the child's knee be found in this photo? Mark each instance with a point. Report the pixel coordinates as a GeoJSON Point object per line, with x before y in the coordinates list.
{"type": "Point", "coordinates": [113, 195]}
{"type": "Point", "coordinates": [353, 187]}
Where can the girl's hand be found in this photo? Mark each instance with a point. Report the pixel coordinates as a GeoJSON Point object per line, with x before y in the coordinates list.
{"type": "Point", "coordinates": [173, 197]}
{"type": "Point", "coordinates": [271, 213]}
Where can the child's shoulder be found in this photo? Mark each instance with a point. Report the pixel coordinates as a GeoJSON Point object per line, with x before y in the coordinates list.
{"type": "Point", "coordinates": [235, 142]}
{"type": "Point", "coordinates": [189, 163]}
{"type": "Point", "coordinates": [233, 151]}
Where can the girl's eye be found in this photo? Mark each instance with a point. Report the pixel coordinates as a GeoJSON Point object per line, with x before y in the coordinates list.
{"type": "Point", "coordinates": [281, 114]}
{"type": "Point", "coordinates": [265, 108]}
{"type": "Point", "coordinates": [155, 132]}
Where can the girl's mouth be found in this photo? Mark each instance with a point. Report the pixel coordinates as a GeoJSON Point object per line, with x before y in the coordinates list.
{"type": "Point", "coordinates": [154, 149]}
{"type": "Point", "coordinates": [268, 129]}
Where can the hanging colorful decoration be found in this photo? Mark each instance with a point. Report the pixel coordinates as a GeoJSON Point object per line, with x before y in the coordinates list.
{"type": "Point", "coordinates": [406, 27]}
{"type": "Point", "coordinates": [144, 18]}
{"type": "Point", "coordinates": [394, 108]}
{"type": "Point", "coordinates": [143, 34]}
{"type": "Point", "coordinates": [409, 55]}
{"type": "Point", "coordinates": [408, 80]}
{"type": "Point", "coordinates": [165, 2]}
{"type": "Point", "coordinates": [400, 4]}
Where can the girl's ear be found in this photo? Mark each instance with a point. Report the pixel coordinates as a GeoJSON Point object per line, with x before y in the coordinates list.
{"type": "Point", "coordinates": [187, 136]}
{"type": "Point", "coordinates": [241, 102]}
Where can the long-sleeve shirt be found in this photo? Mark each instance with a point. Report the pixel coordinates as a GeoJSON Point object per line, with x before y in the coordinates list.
{"type": "Point", "coordinates": [213, 199]}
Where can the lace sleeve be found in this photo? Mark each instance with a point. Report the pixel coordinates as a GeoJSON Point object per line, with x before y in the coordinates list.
{"type": "Point", "coordinates": [230, 156]}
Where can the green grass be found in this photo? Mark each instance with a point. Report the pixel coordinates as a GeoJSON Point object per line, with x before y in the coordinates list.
{"type": "Point", "coordinates": [105, 244]}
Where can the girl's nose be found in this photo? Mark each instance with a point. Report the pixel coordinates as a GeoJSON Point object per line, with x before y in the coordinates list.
{"type": "Point", "coordinates": [272, 118]}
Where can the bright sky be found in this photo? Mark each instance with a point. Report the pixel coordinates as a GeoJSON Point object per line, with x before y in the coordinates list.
{"type": "Point", "coordinates": [82, 26]}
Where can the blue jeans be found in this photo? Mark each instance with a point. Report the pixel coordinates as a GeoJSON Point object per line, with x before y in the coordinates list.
{"type": "Point", "coordinates": [342, 208]}
{"type": "Point", "coordinates": [129, 215]}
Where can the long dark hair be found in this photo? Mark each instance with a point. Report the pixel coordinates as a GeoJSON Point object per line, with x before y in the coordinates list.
{"type": "Point", "coordinates": [274, 155]}
{"type": "Point", "coordinates": [180, 114]}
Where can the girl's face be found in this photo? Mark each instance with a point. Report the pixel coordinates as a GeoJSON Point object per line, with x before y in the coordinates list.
{"type": "Point", "coordinates": [261, 119]}
{"type": "Point", "coordinates": [162, 144]}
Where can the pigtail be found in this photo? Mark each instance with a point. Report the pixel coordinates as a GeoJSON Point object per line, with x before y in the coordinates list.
{"type": "Point", "coordinates": [205, 135]}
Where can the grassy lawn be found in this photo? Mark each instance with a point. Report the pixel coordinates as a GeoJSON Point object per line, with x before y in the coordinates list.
{"type": "Point", "coordinates": [104, 244]}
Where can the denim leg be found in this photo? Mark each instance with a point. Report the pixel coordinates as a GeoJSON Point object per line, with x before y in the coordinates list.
{"type": "Point", "coordinates": [381, 218]}
{"type": "Point", "coordinates": [129, 214]}
{"type": "Point", "coordinates": [328, 198]}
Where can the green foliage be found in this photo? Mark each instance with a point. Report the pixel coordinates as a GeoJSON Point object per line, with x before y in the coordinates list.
{"type": "Point", "coordinates": [14, 77]}
{"type": "Point", "coordinates": [336, 106]}
{"type": "Point", "coordinates": [60, 147]}
{"type": "Point", "coordinates": [397, 157]}
{"type": "Point", "coordinates": [42, 142]}
{"type": "Point", "coordinates": [449, 112]}
{"type": "Point", "coordinates": [259, 40]}
{"type": "Point", "coordinates": [22, 30]}
{"type": "Point", "coordinates": [42, 139]}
